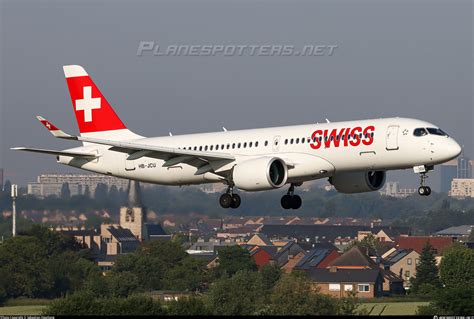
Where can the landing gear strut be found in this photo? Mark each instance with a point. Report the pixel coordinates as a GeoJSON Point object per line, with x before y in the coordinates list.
{"type": "Point", "coordinates": [423, 170]}
{"type": "Point", "coordinates": [424, 190]}
{"type": "Point", "coordinates": [229, 199]}
{"type": "Point", "coordinates": [290, 200]}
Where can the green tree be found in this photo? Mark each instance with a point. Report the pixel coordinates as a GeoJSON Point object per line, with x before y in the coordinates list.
{"type": "Point", "coordinates": [293, 295]}
{"type": "Point", "coordinates": [370, 242]}
{"type": "Point", "coordinates": [457, 267]}
{"type": "Point", "coordinates": [427, 279]}
{"type": "Point", "coordinates": [457, 301]}
{"type": "Point", "coordinates": [162, 265]}
{"type": "Point", "coordinates": [270, 276]}
{"type": "Point", "coordinates": [239, 295]}
{"type": "Point", "coordinates": [471, 236]}
{"type": "Point", "coordinates": [234, 258]}
{"type": "Point", "coordinates": [192, 306]}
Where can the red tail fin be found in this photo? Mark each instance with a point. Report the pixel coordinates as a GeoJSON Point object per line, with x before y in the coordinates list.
{"type": "Point", "coordinates": [93, 112]}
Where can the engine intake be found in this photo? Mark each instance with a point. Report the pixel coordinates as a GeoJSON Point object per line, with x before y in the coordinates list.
{"type": "Point", "coordinates": [358, 182]}
{"type": "Point", "coordinates": [262, 173]}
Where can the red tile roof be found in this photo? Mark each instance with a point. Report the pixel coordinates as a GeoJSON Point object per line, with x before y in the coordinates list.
{"type": "Point", "coordinates": [418, 242]}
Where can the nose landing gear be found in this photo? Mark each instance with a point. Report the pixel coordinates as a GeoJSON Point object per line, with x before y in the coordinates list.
{"type": "Point", "coordinates": [290, 200]}
{"type": "Point", "coordinates": [423, 170]}
{"type": "Point", "coordinates": [229, 199]}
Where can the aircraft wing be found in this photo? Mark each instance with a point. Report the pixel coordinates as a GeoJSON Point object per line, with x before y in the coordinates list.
{"type": "Point", "coordinates": [54, 152]}
{"type": "Point", "coordinates": [172, 156]}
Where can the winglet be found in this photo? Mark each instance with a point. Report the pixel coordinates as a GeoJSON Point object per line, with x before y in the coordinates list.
{"type": "Point", "coordinates": [56, 132]}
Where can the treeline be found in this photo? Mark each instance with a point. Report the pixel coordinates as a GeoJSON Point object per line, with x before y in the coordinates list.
{"type": "Point", "coordinates": [45, 264]}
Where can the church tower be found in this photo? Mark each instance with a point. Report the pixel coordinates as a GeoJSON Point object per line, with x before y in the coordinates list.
{"type": "Point", "coordinates": [133, 214]}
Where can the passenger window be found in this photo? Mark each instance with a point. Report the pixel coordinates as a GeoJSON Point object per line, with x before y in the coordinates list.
{"type": "Point", "coordinates": [256, 144]}
{"type": "Point", "coordinates": [266, 143]}
{"type": "Point", "coordinates": [228, 146]}
{"type": "Point", "coordinates": [205, 148]}
{"type": "Point", "coordinates": [309, 139]}
{"type": "Point", "coordinates": [245, 144]}
{"type": "Point", "coordinates": [420, 132]}
{"type": "Point", "coordinates": [250, 144]}
{"type": "Point", "coordinates": [297, 140]}
{"type": "Point", "coordinates": [238, 145]}
{"type": "Point", "coordinates": [286, 141]}
{"type": "Point", "coordinates": [233, 145]}
{"type": "Point", "coordinates": [291, 141]}
{"type": "Point", "coordinates": [200, 148]}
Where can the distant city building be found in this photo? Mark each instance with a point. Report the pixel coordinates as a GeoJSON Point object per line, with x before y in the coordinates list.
{"type": "Point", "coordinates": [51, 184]}
{"type": "Point", "coordinates": [393, 189]}
{"type": "Point", "coordinates": [448, 171]}
{"type": "Point", "coordinates": [462, 187]}
{"type": "Point", "coordinates": [464, 170]}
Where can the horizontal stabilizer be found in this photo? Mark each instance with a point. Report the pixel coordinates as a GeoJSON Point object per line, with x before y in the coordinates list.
{"type": "Point", "coordinates": [54, 152]}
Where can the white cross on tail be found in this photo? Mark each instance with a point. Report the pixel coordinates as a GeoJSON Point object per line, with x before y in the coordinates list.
{"type": "Point", "coordinates": [87, 104]}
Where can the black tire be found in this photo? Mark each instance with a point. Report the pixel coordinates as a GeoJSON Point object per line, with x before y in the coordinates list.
{"type": "Point", "coordinates": [421, 191]}
{"type": "Point", "coordinates": [225, 200]}
{"type": "Point", "coordinates": [235, 201]}
{"type": "Point", "coordinates": [286, 202]}
{"type": "Point", "coordinates": [427, 191]}
{"type": "Point", "coordinates": [296, 202]}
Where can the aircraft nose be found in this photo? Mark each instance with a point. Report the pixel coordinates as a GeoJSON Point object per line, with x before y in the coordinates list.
{"type": "Point", "coordinates": [453, 149]}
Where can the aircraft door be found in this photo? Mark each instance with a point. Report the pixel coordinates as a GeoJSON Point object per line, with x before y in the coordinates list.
{"type": "Point", "coordinates": [392, 138]}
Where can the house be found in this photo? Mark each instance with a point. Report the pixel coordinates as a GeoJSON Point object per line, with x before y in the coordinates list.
{"type": "Point", "coordinates": [287, 252]}
{"type": "Point", "coordinates": [365, 283]}
{"type": "Point", "coordinates": [292, 262]}
{"type": "Point", "coordinates": [263, 255]}
{"type": "Point", "coordinates": [317, 258]}
{"type": "Point", "coordinates": [457, 232]}
{"type": "Point", "coordinates": [259, 240]}
{"type": "Point", "coordinates": [356, 258]}
{"type": "Point", "coordinates": [402, 262]}
{"type": "Point", "coordinates": [417, 243]}
{"type": "Point", "coordinates": [325, 233]}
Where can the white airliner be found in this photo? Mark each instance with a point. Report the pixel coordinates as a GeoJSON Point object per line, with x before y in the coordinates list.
{"type": "Point", "coordinates": [354, 155]}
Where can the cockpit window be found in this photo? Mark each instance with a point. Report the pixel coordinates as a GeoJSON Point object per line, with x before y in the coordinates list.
{"type": "Point", "coordinates": [420, 132]}
{"type": "Point", "coordinates": [436, 131]}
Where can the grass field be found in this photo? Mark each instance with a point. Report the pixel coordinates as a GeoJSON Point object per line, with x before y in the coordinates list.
{"type": "Point", "coordinates": [22, 310]}
{"type": "Point", "coordinates": [393, 308]}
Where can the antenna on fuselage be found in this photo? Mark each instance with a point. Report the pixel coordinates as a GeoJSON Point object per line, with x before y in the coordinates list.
{"type": "Point", "coordinates": [327, 121]}
{"type": "Point", "coordinates": [224, 129]}
{"type": "Point", "coordinates": [170, 134]}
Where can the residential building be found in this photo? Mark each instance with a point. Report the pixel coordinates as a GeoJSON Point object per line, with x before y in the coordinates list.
{"type": "Point", "coordinates": [457, 232]}
{"type": "Point", "coordinates": [417, 243]}
{"type": "Point", "coordinates": [317, 258]}
{"type": "Point", "coordinates": [462, 187]}
{"type": "Point", "coordinates": [51, 184]}
{"type": "Point", "coordinates": [326, 233]}
{"type": "Point", "coordinates": [393, 189]}
{"type": "Point", "coordinates": [366, 283]}
{"type": "Point", "coordinates": [402, 262]}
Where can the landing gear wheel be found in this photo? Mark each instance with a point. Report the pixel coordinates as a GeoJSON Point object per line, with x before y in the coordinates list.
{"type": "Point", "coordinates": [428, 190]}
{"type": "Point", "coordinates": [422, 191]}
{"type": "Point", "coordinates": [225, 200]}
{"type": "Point", "coordinates": [296, 202]}
{"type": "Point", "coordinates": [286, 202]}
{"type": "Point", "coordinates": [235, 201]}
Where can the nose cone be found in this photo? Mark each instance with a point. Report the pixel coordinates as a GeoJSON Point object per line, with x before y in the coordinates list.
{"type": "Point", "coordinates": [453, 149]}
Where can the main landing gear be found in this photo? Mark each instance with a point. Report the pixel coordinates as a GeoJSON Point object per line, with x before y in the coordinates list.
{"type": "Point", "coordinates": [290, 200]}
{"type": "Point", "coordinates": [229, 199]}
{"type": "Point", "coordinates": [423, 170]}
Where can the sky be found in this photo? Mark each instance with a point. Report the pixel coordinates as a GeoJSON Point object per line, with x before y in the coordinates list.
{"type": "Point", "coordinates": [393, 58]}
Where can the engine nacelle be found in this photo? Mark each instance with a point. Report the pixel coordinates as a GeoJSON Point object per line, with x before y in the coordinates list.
{"type": "Point", "coordinates": [260, 174]}
{"type": "Point", "coordinates": [358, 182]}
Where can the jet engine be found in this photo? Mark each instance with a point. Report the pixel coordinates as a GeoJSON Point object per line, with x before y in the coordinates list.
{"type": "Point", "coordinates": [358, 182]}
{"type": "Point", "coordinates": [260, 174]}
